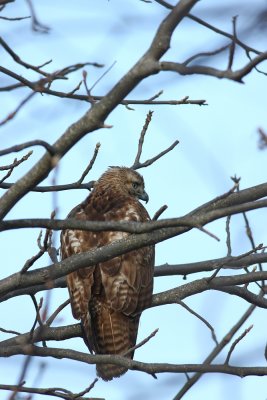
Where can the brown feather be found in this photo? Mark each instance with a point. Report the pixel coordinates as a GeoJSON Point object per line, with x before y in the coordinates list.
{"type": "Point", "coordinates": [109, 297]}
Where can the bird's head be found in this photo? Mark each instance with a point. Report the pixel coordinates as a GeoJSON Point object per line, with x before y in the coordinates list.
{"type": "Point", "coordinates": [127, 181]}
{"type": "Point", "coordinates": [135, 185]}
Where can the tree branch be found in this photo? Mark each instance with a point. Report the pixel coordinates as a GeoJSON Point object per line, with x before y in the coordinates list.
{"type": "Point", "coordinates": [150, 368]}
{"type": "Point", "coordinates": [237, 75]}
{"type": "Point", "coordinates": [226, 339]}
{"type": "Point", "coordinates": [61, 393]}
{"type": "Point", "coordinates": [95, 117]}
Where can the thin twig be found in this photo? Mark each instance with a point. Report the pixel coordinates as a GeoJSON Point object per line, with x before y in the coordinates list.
{"type": "Point", "coordinates": [219, 267]}
{"type": "Point", "coordinates": [89, 96]}
{"type": "Point", "coordinates": [87, 390]}
{"type": "Point", "coordinates": [204, 230]}
{"type": "Point", "coordinates": [205, 54]}
{"type": "Point", "coordinates": [36, 24]}
{"type": "Point", "coordinates": [144, 341]}
{"type": "Point", "coordinates": [12, 114]}
{"type": "Point", "coordinates": [22, 146]}
{"type": "Point", "coordinates": [37, 310]}
{"type": "Point", "coordinates": [141, 139]}
{"type": "Point", "coordinates": [159, 212]}
{"type": "Point", "coordinates": [213, 335]}
{"type": "Point", "coordinates": [233, 44]}
{"type": "Point", "coordinates": [18, 60]}
{"type": "Point", "coordinates": [47, 244]}
{"type": "Point", "coordinates": [157, 157]}
{"type": "Point", "coordinates": [56, 312]}
{"type": "Point", "coordinates": [228, 236]}
{"type": "Point", "coordinates": [9, 331]}
{"type": "Point", "coordinates": [26, 364]}
{"type": "Point", "coordinates": [14, 18]}
{"type": "Point", "coordinates": [12, 166]}
{"type": "Point", "coordinates": [90, 165]}
{"type": "Point", "coordinates": [16, 162]}
{"type": "Point", "coordinates": [58, 392]}
{"type": "Point", "coordinates": [102, 76]}
{"type": "Point", "coordinates": [46, 189]}
{"type": "Point", "coordinates": [246, 331]}
{"type": "Point", "coordinates": [262, 139]}
{"type": "Point", "coordinates": [248, 232]}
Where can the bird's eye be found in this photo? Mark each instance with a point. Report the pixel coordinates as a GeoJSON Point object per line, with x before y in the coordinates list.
{"type": "Point", "coordinates": [135, 185]}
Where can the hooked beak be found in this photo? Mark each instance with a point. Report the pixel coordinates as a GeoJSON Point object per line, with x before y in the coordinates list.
{"type": "Point", "coordinates": [143, 196]}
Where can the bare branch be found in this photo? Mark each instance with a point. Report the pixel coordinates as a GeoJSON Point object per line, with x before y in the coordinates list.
{"type": "Point", "coordinates": [162, 270]}
{"type": "Point", "coordinates": [233, 44]}
{"type": "Point", "coordinates": [141, 139]}
{"type": "Point", "coordinates": [245, 294]}
{"type": "Point", "coordinates": [55, 392]}
{"type": "Point", "coordinates": [140, 344]}
{"type": "Point", "coordinates": [246, 331]}
{"type": "Point", "coordinates": [16, 162]}
{"type": "Point", "coordinates": [232, 262]}
{"type": "Point", "coordinates": [18, 60]}
{"type": "Point", "coordinates": [12, 166]}
{"type": "Point", "coordinates": [90, 165]}
{"type": "Point", "coordinates": [25, 145]}
{"type": "Point", "coordinates": [213, 335]}
{"type": "Point", "coordinates": [56, 312]}
{"type": "Point", "coordinates": [212, 28]}
{"type": "Point", "coordinates": [45, 247]}
{"type": "Point", "coordinates": [95, 117]}
{"type": "Point", "coordinates": [262, 139]}
{"type": "Point", "coordinates": [55, 188]}
{"type": "Point", "coordinates": [102, 76]}
{"type": "Point", "coordinates": [205, 54]}
{"type": "Point", "coordinates": [237, 75]}
{"type": "Point", "coordinates": [36, 24]}
{"type": "Point", "coordinates": [26, 364]}
{"type": "Point", "coordinates": [159, 212]}
{"type": "Point", "coordinates": [150, 368]}
{"type": "Point", "coordinates": [9, 331]}
{"type": "Point", "coordinates": [45, 333]}
{"type": "Point", "coordinates": [226, 339]}
{"type": "Point", "coordinates": [14, 18]}
{"type": "Point", "coordinates": [153, 159]}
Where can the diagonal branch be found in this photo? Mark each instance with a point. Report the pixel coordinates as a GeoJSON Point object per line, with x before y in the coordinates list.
{"type": "Point", "coordinates": [95, 117]}
{"type": "Point", "coordinates": [226, 339]}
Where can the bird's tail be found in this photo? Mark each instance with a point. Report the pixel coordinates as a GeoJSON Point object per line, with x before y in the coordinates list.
{"type": "Point", "coordinates": [114, 333]}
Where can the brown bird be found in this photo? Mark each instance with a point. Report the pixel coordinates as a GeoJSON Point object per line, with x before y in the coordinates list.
{"type": "Point", "coordinates": [109, 297]}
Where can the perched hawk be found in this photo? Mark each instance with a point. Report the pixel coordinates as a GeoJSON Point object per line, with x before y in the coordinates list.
{"type": "Point", "coordinates": [109, 297]}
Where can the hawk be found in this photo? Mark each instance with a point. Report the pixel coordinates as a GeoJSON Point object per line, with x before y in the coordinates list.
{"type": "Point", "coordinates": [110, 296]}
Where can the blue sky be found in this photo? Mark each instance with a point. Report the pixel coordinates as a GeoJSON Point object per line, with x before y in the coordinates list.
{"type": "Point", "coordinates": [216, 142]}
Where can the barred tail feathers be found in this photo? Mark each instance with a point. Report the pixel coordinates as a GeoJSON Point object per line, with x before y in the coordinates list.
{"type": "Point", "coordinates": [115, 333]}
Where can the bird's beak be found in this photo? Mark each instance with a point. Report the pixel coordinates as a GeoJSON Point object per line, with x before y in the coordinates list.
{"type": "Point", "coordinates": [143, 196]}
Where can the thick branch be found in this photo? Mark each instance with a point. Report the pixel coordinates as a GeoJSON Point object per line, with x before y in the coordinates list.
{"type": "Point", "coordinates": [161, 270]}
{"type": "Point", "coordinates": [198, 217]}
{"type": "Point", "coordinates": [95, 117]}
{"type": "Point", "coordinates": [222, 206]}
{"type": "Point", "coordinates": [222, 283]}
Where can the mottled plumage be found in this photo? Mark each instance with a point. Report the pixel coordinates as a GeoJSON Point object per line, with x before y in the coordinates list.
{"type": "Point", "coordinates": [109, 297]}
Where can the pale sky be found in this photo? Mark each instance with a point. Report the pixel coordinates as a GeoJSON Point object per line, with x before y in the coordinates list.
{"type": "Point", "coordinates": [217, 141]}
